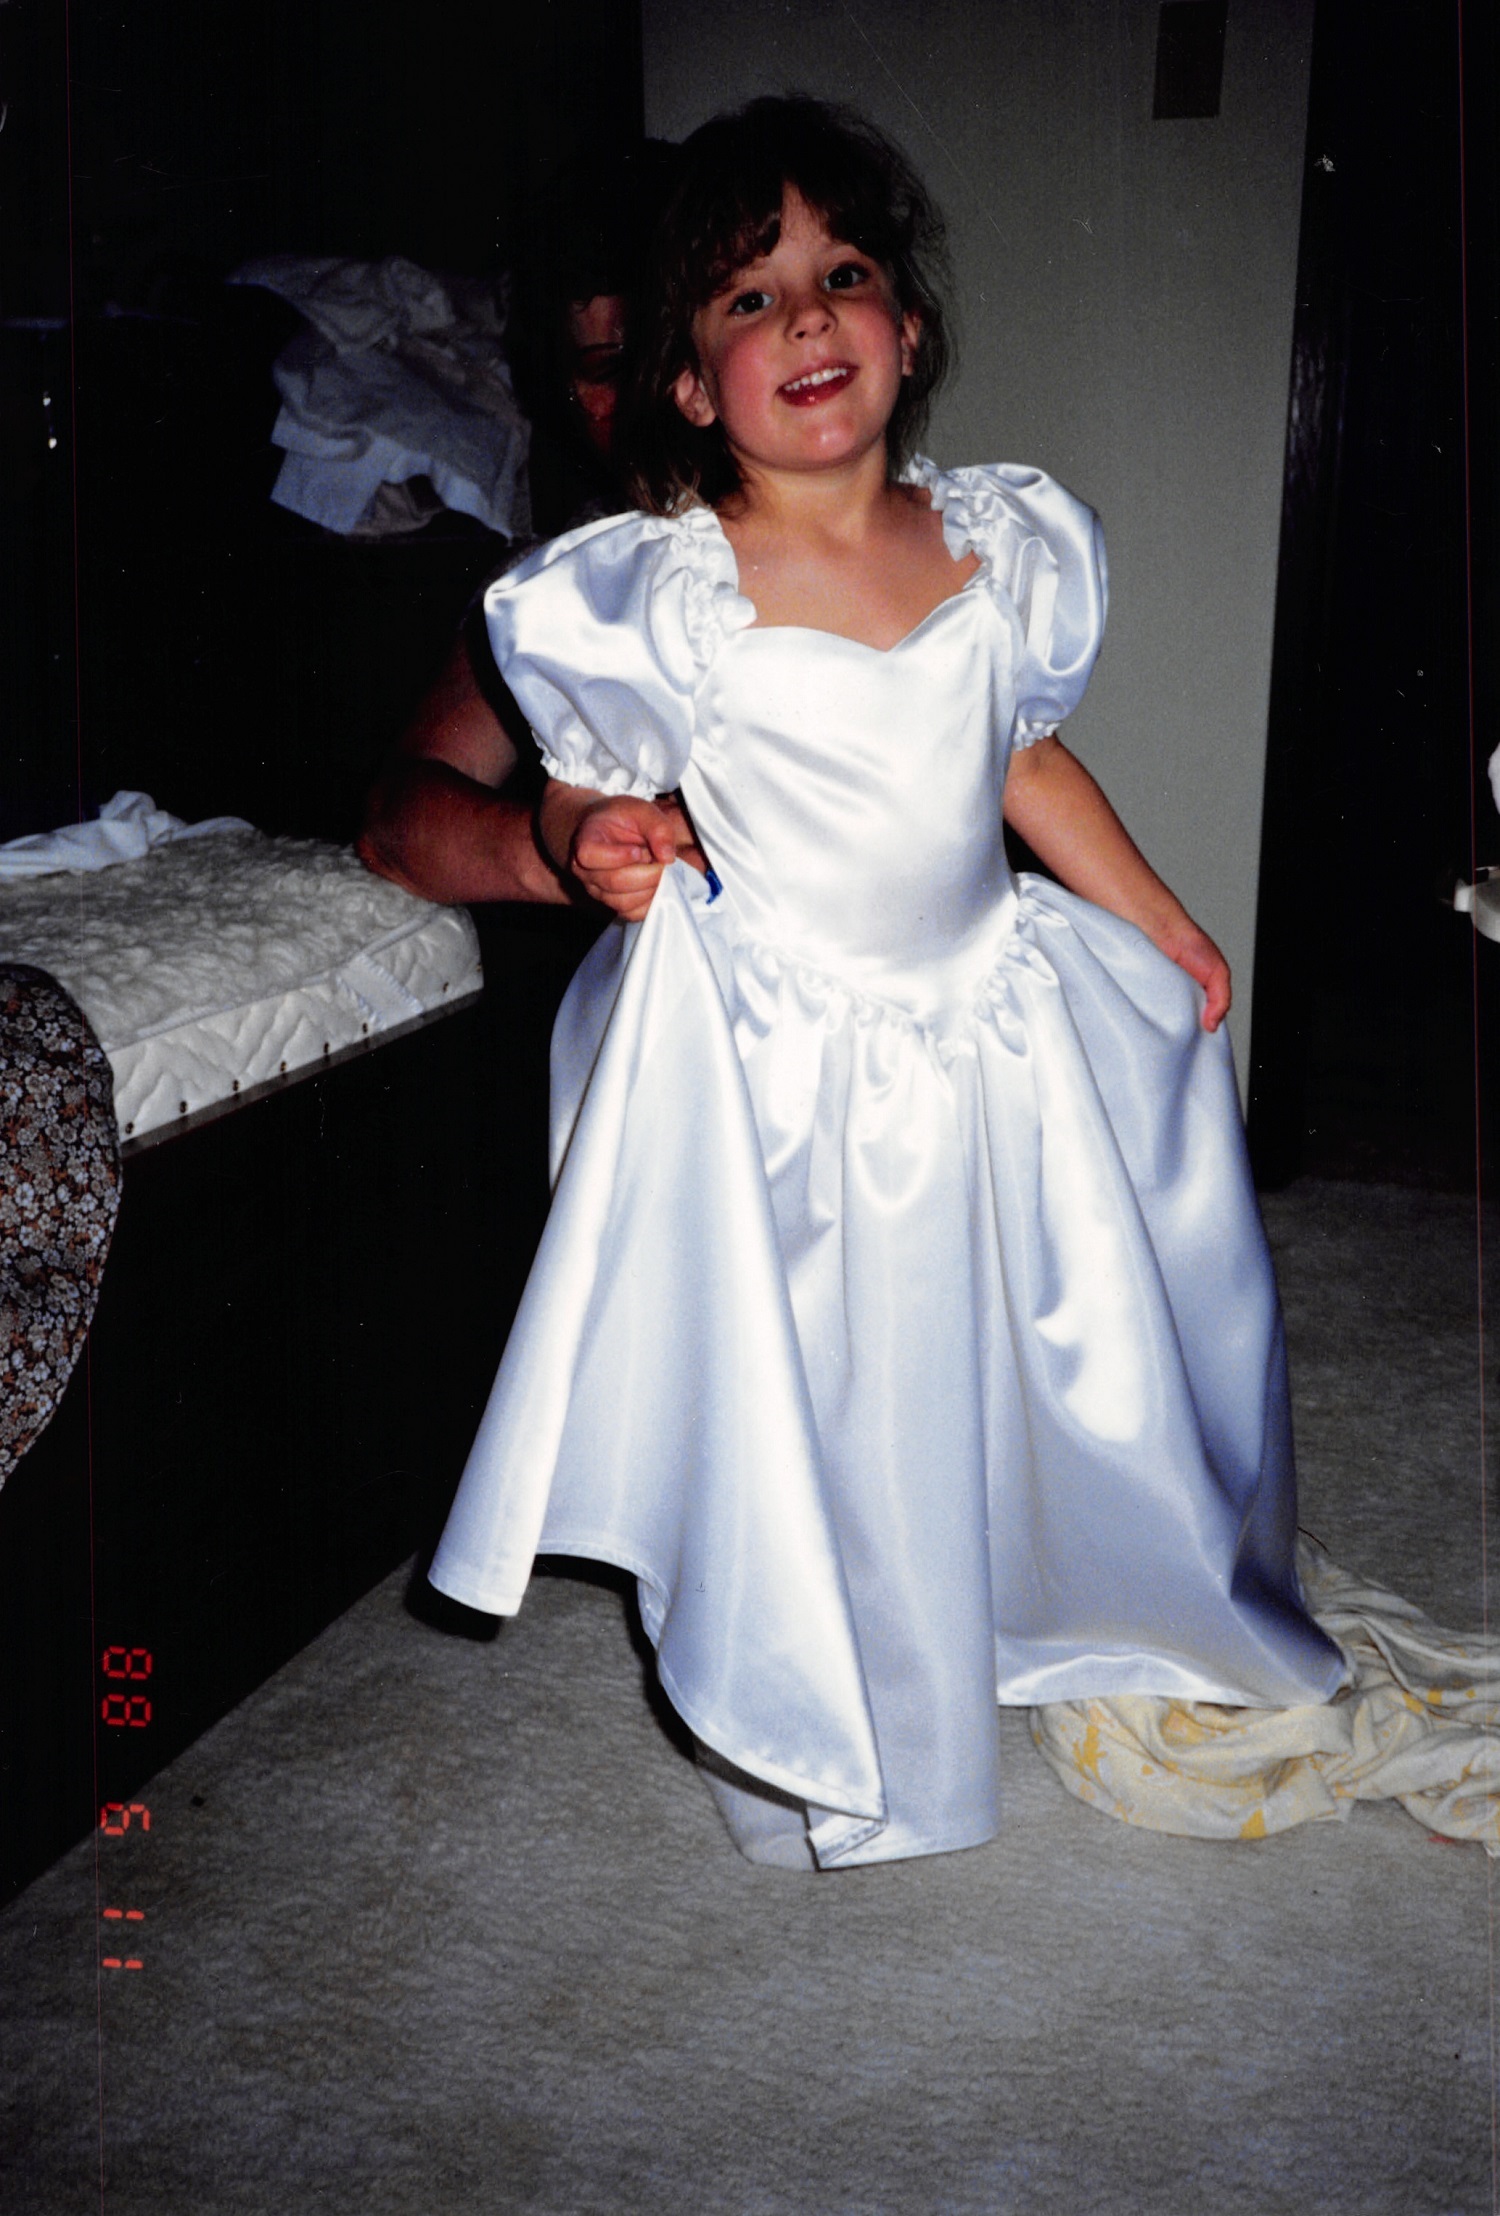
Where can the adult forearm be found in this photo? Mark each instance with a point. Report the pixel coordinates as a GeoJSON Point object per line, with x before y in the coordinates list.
{"type": "Point", "coordinates": [439, 833]}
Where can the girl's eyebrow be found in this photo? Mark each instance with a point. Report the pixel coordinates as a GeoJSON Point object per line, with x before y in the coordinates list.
{"type": "Point", "coordinates": [738, 280]}
{"type": "Point", "coordinates": [738, 276]}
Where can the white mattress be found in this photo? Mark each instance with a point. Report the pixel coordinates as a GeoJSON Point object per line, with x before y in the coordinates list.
{"type": "Point", "coordinates": [224, 965]}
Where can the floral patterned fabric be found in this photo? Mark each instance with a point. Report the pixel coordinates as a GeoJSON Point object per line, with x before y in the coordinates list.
{"type": "Point", "coordinates": [59, 1194]}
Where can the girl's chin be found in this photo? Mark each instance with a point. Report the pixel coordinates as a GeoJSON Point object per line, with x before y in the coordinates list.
{"type": "Point", "coordinates": [799, 439]}
{"type": "Point", "coordinates": [811, 459]}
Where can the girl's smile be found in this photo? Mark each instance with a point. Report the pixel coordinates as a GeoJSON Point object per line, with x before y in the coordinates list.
{"type": "Point", "coordinates": [801, 356]}
{"type": "Point", "coordinates": [817, 384]}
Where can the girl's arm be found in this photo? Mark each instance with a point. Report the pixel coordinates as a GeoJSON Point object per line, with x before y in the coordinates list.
{"type": "Point", "coordinates": [1057, 808]}
{"type": "Point", "coordinates": [616, 847]}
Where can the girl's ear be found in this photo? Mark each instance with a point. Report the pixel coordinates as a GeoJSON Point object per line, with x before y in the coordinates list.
{"type": "Point", "coordinates": [691, 398]}
{"type": "Point", "coordinates": [911, 333]}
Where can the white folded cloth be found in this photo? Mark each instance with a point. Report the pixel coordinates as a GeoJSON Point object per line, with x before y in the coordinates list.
{"type": "Point", "coordinates": [1481, 900]}
{"type": "Point", "coordinates": [127, 827]}
{"type": "Point", "coordinates": [402, 375]}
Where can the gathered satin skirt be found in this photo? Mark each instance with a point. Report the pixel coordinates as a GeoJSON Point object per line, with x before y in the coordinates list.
{"type": "Point", "coordinates": [909, 1363]}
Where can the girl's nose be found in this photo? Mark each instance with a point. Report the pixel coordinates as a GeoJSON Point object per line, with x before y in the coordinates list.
{"type": "Point", "coordinates": [808, 312]}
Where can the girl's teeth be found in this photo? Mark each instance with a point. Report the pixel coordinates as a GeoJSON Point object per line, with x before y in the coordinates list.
{"type": "Point", "coordinates": [818, 377]}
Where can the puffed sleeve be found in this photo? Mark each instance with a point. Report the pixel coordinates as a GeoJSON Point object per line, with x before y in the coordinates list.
{"type": "Point", "coordinates": [604, 637]}
{"type": "Point", "coordinates": [1045, 555]}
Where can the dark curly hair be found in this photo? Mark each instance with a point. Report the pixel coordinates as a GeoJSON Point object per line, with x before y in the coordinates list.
{"type": "Point", "coordinates": [725, 211]}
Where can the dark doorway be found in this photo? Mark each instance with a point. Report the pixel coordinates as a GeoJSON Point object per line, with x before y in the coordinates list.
{"type": "Point", "coordinates": [1365, 1056]}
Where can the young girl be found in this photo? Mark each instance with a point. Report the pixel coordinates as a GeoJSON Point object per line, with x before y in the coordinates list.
{"type": "Point", "coordinates": [904, 1321]}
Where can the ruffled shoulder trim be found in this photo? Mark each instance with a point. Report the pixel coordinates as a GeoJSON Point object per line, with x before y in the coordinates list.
{"type": "Point", "coordinates": [683, 566]}
{"type": "Point", "coordinates": [605, 635]}
{"type": "Point", "coordinates": [713, 607]}
{"type": "Point", "coordinates": [1003, 511]}
{"type": "Point", "coordinates": [1043, 553]}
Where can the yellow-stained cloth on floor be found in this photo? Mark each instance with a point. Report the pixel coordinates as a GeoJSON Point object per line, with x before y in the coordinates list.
{"type": "Point", "coordinates": [1419, 1722]}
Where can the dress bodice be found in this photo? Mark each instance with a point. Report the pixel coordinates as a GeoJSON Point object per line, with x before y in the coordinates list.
{"type": "Point", "coordinates": [849, 798]}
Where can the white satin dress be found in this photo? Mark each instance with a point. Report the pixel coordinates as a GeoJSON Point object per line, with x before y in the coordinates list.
{"type": "Point", "coordinates": [903, 1321]}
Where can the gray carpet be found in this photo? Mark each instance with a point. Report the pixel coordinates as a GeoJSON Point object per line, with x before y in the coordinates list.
{"type": "Point", "coordinates": [434, 1925]}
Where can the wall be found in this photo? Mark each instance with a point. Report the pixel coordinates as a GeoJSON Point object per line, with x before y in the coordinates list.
{"type": "Point", "coordinates": [1125, 293]}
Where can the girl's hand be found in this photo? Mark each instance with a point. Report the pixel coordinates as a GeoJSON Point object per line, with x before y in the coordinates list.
{"type": "Point", "coordinates": [616, 847]}
{"type": "Point", "coordinates": [1194, 951]}
{"type": "Point", "coordinates": [618, 851]}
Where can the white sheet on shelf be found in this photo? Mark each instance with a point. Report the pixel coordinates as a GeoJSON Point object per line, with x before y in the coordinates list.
{"type": "Point", "coordinates": [224, 962]}
{"type": "Point", "coordinates": [126, 827]}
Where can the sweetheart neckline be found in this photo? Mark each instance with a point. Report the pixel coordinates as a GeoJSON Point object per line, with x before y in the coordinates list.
{"type": "Point", "coordinates": [816, 630]}
{"type": "Point", "coordinates": [844, 638]}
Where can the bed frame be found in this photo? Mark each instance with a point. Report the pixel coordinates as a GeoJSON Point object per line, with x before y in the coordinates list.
{"type": "Point", "coordinates": [300, 1319]}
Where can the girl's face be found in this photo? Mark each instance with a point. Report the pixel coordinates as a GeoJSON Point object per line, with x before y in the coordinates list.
{"type": "Point", "coordinates": [801, 356]}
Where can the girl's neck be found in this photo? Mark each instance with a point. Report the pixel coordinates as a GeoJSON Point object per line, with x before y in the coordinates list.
{"type": "Point", "coordinates": [850, 503]}
{"type": "Point", "coordinates": [855, 556]}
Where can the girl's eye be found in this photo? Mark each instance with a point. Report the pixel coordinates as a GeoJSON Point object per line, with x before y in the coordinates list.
{"type": "Point", "coordinates": [846, 277]}
{"type": "Point", "coordinates": [748, 303]}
